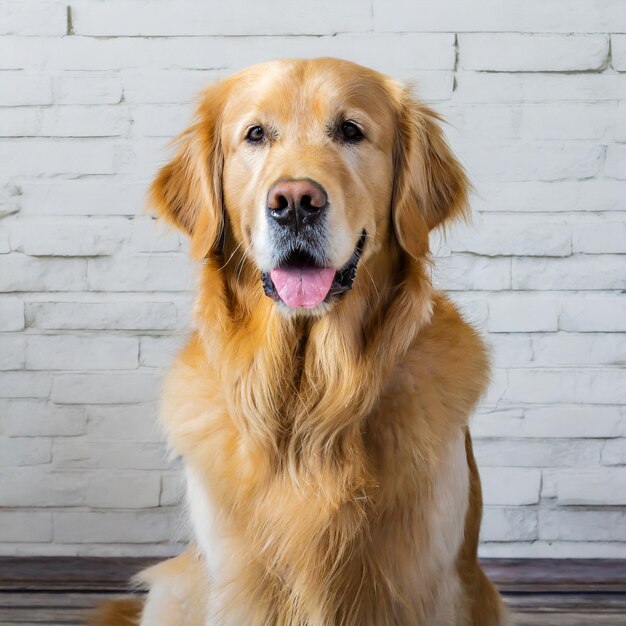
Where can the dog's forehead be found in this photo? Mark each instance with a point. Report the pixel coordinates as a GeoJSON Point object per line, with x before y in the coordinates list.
{"type": "Point", "coordinates": [317, 87]}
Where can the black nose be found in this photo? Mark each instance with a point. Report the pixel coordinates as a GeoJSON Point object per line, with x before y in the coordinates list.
{"type": "Point", "coordinates": [296, 202]}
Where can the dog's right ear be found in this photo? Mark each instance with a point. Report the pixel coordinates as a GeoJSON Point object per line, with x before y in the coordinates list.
{"type": "Point", "coordinates": [187, 192]}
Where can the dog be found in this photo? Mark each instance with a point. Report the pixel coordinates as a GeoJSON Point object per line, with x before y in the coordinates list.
{"type": "Point", "coordinates": [321, 406]}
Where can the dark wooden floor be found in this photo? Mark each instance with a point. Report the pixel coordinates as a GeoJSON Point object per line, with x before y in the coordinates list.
{"type": "Point", "coordinates": [540, 592]}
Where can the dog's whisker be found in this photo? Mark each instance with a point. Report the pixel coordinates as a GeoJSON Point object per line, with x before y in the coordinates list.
{"type": "Point", "coordinates": [232, 254]}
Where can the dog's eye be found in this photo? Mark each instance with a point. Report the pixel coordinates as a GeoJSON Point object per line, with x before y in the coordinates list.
{"type": "Point", "coordinates": [255, 134]}
{"type": "Point", "coordinates": [350, 132]}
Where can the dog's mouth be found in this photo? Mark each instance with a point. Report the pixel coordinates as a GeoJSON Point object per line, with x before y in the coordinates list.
{"type": "Point", "coordinates": [300, 282]}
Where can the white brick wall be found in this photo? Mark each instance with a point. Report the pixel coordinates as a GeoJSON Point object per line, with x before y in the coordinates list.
{"type": "Point", "coordinates": [94, 297]}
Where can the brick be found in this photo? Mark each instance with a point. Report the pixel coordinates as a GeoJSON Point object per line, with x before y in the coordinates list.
{"type": "Point", "coordinates": [534, 87]}
{"type": "Point", "coordinates": [385, 52]}
{"type": "Point", "coordinates": [25, 385]}
{"type": "Point", "coordinates": [120, 315]}
{"type": "Point", "coordinates": [576, 272]}
{"type": "Point", "coordinates": [128, 422]}
{"type": "Point", "coordinates": [536, 453]}
{"type": "Point", "coordinates": [597, 385]}
{"type": "Point", "coordinates": [607, 237]}
{"type": "Point", "coordinates": [549, 482]}
{"type": "Point", "coordinates": [82, 197]}
{"type": "Point", "coordinates": [80, 454]}
{"type": "Point", "coordinates": [140, 273]}
{"type": "Point", "coordinates": [508, 524]}
{"type": "Point", "coordinates": [20, 121]}
{"type": "Point", "coordinates": [490, 423]}
{"type": "Point", "coordinates": [592, 487]}
{"type": "Point", "coordinates": [149, 550]}
{"type": "Point", "coordinates": [557, 196]}
{"type": "Point", "coordinates": [111, 527]}
{"type": "Point", "coordinates": [11, 352]}
{"type": "Point", "coordinates": [473, 307]}
{"type": "Point", "coordinates": [123, 490]}
{"type": "Point", "coordinates": [578, 349]}
{"type": "Point", "coordinates": [560, 421]}
{"type": "Point", "coordinates": [38, 486]}
{"type": "Point", "coordinates": [472, 272]}
{"type": "Point", "coordinates": [22, 273]}
{"type": "Point", "coordinates": [532, 161]}
{"type": "Point", "coordinates": [11, 314]}
{"type": "Point", "coordinates": [601, 385]}
{"type": "Point", "coordinates": [21, 88]}
{"type": "Point", "coordinates": [143, 18]}
{"type": "Point", "coordinates": [618, 52]}
{"type": "Point", "coordinates": [505, 486]}
{"type": "Point", "coordinates": [534, 16]}
{"type": "Point", "coordinates": [4, 242]}
{"type": "Point", "coordinates": [590, 313]}
{"type": "Point", "coordinates": [26, 487]}
{"type": "Point", "coordinates": [620, 123]}
{"type": "Point", "coordinates": [33, 18]}
{"type": "Point", "coordinates": [498, 384]}
{"type": "Point", "coordinates": [496, 235]}
{"type": "Point", "coordinates": [614, 452]}
{"type": "Point", "coordinates": [522, 312]}
{"type": "Point", "coordinates": [540, 386]}
{"type": "Point", "coordinates": [430, 86]}
{"type": "Point", "coordinates": [31, 526]}
{"type": "Point", "coordinates": [553, 550]}
{"type": "Point", "coordinates": [105, 388]}
{"type": "Point", "coordinates": [172, 489]}
{"type": "Point", "coordinates": [69, 237]}
{"type": "Point", "coordinates": [567, 121]}
{"type": "Point", "coordinates": [499, 121]}
{"type": "Point", "coordinates": [21, 451]}
{"type": "Point", "coordinates": [164, 86]}
{"type": "Point", "coordinates": [567, 525]}
{"type": "Point", "coordinates": [67, 352]}
{"type": "Point", "coordinates": [33, 157]}
{"type": "Point", "coordinates": [150, 235]}
{"type": "Point", "coordinates": [92, 87]}
{"type": "Point", "coordinates": [584, 422]}
{"type": "Point", "coordinates": [514, 52]}
{"type": "Point", "coordinates": [510, 350]}
{"type": "Point", "coordinates": [615, 166]}
{"type": "Point", "coordinates": [159, 351]}
{"type": "Point", "coordinates": [30, 418]}
{"type": "Point", "coordinates": [165, 120]}
{"type": "Point", "coordinates": [85, 121]}
{"type": "Point", "coordinates": [144, 156]}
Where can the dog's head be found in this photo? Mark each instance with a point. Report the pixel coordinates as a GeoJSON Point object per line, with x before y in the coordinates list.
{"type": "Point", "coordinates": [309, 168]}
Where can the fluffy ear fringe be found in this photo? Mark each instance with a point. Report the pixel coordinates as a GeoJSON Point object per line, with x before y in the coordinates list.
{"type": "Point", "coordinates": [187, 192]}
{"type": "Point", "coordinates": [431, 187]}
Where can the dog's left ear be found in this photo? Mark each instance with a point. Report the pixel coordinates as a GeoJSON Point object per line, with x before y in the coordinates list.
{"type": "Point", "coordinates": [431, 187]}
{"type": "Point", "coordinates": [187, 192]}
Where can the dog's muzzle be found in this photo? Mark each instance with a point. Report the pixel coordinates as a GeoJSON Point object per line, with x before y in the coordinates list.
{"type": "Point", "coordinates": [300, 283]}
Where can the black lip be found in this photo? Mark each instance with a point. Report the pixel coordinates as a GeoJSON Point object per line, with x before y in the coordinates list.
{"type": "Point", "coordinates": [343, 281]}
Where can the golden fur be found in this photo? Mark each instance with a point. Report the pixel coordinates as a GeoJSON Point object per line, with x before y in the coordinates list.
{"type": "Point", "coordinates": [330, 451]}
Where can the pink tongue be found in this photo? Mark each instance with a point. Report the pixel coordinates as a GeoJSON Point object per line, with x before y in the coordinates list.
{"type": "Point", "coordinates": [303, 287]}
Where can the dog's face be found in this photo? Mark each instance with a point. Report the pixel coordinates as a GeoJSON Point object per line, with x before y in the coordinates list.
{"type": "Point", "coordinates": [308, 151]}
{"type": "Point", "coordinates": [312, 166]}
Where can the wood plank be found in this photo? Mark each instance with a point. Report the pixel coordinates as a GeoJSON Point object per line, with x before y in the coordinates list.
{"type": "Point", "coordinates": [69, 573]}
{"type": "Point", "coordinates": [67, 609]}
{"type": "Point", "coordinates": [571, 575]}
{"type": "Point", "coordinates": [112, 574]}
{"type": "Point", "coordinates": [539, 592]}
{"type": "Point", "coordinates": [567, 602]}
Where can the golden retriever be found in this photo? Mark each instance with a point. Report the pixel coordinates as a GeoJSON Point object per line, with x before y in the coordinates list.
{"type": "Point", "coordinates": [321, 406]}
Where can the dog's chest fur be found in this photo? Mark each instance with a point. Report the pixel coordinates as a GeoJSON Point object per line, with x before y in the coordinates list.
{"type": "Point", "coordinates": [359, 494]}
